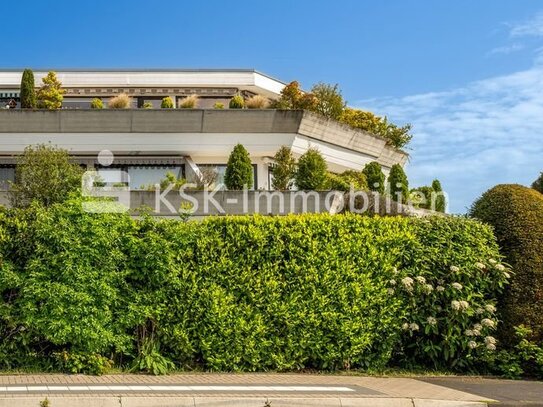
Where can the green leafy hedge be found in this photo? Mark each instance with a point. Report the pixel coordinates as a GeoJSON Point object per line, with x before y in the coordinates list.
{"type": "Point", "coordinates": [516, 213]}
{"type": "Point", "coordinates": [245, 293]}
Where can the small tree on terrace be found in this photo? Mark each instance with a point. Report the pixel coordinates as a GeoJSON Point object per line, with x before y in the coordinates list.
{"type": "Point", "coordinates": [239, 170]}
{"type": "Point", "coordinates": [375, 177]}
{"type": "Point", "coordinates": [284, 169]}
{"type": "Point", "coordinates": [51, 94]}
{"type": "Point", "coordinates": [292, 97]}
{"type": "Point", "coordinates": [28, 94]}
{"type": "Point", "coordinates": [46, 174]}
{"type": "Point", "coordinates": [312, 173]}
{"type": "Point", "coordinates": [538, 184]}
{"type": "Point", "coordinates": [399, 186]}
{"type": "Point", "coordinates": [330, 103]}
{"type": "Point", "coordinates": [167, 103]}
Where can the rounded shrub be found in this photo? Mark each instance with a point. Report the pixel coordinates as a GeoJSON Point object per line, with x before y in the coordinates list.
{"type": "Point", "coordinates": [97, 103]}
{"type": "Point", "coordinates": [167, 103]}
{"type": "Point", "coordinates": [239, 170]}
{"type": "Point", "coordinates": [516, 213]}
{"type": "Point", "coordinates": [347, 180]}
{"type": "Point", "coordinates": [312, 172]}
{"type": "Point", "coordinates": [375, 177]}
{"type": "Point", "coordinates": [121, 101]}
{"type": "Point", "coordinates": [237, 102]}
{"type": "Point", "coordinates": [399, 186]}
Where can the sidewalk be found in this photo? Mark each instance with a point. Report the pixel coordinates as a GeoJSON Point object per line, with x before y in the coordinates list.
{"type": "Point", "coordinates": [247, 390]}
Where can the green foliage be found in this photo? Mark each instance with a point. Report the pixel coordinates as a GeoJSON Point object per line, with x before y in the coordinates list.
{"type": "Point", "coordinates": [170, 180]}
{"type": "Point", "coordinates": [147, 105]}
{"type": "Point", "coordinates": [375, 177]}
{"type": "Point", "coordinates": [218, 105]}
{"type": "Point", "coordinates": [525, 358]}
{"type": "Point", "coordinates": [312, 172]}
{"type": "Point", "coordinates": [516, 213]}
{"type": "Point", "coordinates": [441, 203]}
{"type": "Point", "coordinates": [283, 169]}
{"type": "Point", "coordinates": [97, 103]}
{"type": "Point", "coordinates": [45, 174]}
{"type": "Point", "coordinates": [292, 97]}
{"type": "Point", "coordinates": [399, 185]}
{"type": "Point", "coordinates": [45, 403]}
{"type": "Point", "coordinates": [28, 94]}
{"type": "Point", "coordinates": [51, 94]}
{"type": "Point", "coordinates": [240, 293]}
{"type": "Point", "coordinates": [395, 136]}
{"type": "Point", "coordinates": [237, 102]}
{"type": "Point", "coordinates": [167, 103]}
{"type": "Point", "coordinates": [347, 180]}
{"type": "Point", "coordinates": [538, 183]}
{"type": "Point", "coordinates": [330, 103]}
{"type": "Point", "coordinates": [239, 170]}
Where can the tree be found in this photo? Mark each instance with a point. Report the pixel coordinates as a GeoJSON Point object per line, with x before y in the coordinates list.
{"type": "Point", "coordinates": [312, 173]}
{"type": "Point", "coordinates": [50, 95]}
{"type": "Point", "coordinates": [283, 169]}
{"type": "Point", "coordinates": [28, 93]}
{"type": "Point", "coordinates": [399, 185]}
{"type": "Point", "coordinates": [440, 201]}
{"type": "Point", "coordinates": [330, 103]}
{"type": "Point", "coordinates": [538, 184]}
{"type": "Point", "coordinates": [239, 170]}
{"type": "Point", "coordinates": [46, 174]}
{"type": "Point", "coordinates": [375, 177]}
{"type": "Point", "coordinates": [421, 197]}
{"type": "Point", "coordinates": [167, 103]}
{"type": "Point", "coordinates": [292, 97]}
{"type": "Point", "coordinates": [395, 136]}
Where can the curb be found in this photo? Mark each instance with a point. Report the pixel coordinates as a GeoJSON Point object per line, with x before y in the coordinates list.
{"type": "Point", "coordinates": [202, 401]}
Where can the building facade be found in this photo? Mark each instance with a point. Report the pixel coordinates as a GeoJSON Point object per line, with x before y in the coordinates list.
{"type": "Point", "coordinates": [148, 143]}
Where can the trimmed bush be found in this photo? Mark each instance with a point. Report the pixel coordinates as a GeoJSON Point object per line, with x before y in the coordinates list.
{"type": "Point", "coordinates": [283, 169]}
{"type": "Point", "coordinates": [237, 102]}
{"type": "Point", "coordinates": [375, 177]}
{"type": "Point", "coordinates": [121, 101]}
{"type": "Point", "coordinates": [399, 186]}
{"type": "Point", "coordinates": [516, 213]}
{"type": "Point", "coordinates": [257, 102]}
{"type": "Point", "coordinates": [190, 102]}
{"type": "Point", "coordinates": [239, 170]}
{"type": "Point", "coordinates": [97, 103]}
{"type": "Point", "coordinates": [167, 103]}
{"type": "Point", "coordinates": [347, 180]}
{"type": "Point", "coordinates": [441, 202]}
{"type": "Point", "coordinates": [242, 293]}
{"type": "Point", "coordinates": [312, 172]}
{"type": "Point", "coordinates": [28, 94]}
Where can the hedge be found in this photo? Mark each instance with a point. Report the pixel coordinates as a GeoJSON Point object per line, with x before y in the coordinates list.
{"type": "Point", "coordinates": [243, 293]}
{"type": "Point", "coordinates": [516, 213]}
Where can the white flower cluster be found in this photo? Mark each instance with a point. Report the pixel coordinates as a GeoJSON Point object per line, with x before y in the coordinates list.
{"type": "Point", "coordinates": [392, 281]}
{"type": "Point", "coordinates": [459, 305]}
{"type": "Point", "coordinates": [431, 320]}
{"type": "Point", "coordinates": [457, 286]}
{"type": "Point", "coordinates": [490, 308]}
{"type": "Point", "coordinates": [480, 266]}
{"type": "Point", "coordinates": [428, 288]}
{"type": "Point", "coordinates": [500, 267]}
{"type": "Point", "coordinates": [420, 279]}
{"type": "Point", "coordinates": [390, 291]}
{"type": "Point", "coordinates": [490, 343]}
{"type": "Point", "coordinates": [407, 282]}
{"type": "Point", "coordinates": [488, 323]}
{"type": "Point", "coordinates": [472, 344]}
{"type": "Point", "coordinates": [454, 269]}
{"type": "Point", "coordinates": [440, 288]}
{"type": "Point", "coordinates": [410, 327]}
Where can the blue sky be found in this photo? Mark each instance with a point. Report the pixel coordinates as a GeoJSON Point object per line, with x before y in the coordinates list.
{"type": "Point", "coordinates": [467, 74]}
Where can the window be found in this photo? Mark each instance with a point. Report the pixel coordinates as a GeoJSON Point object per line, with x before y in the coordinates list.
{"type": "Point", "coordinates": [139, 176]}
{"type": "Point", "coordinates": [7, 175]}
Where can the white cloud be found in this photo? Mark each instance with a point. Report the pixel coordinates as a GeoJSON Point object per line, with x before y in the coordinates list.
{"type": "Point", "coordinates": [506, 49]}
{"type": "Point", "coordinates": [474, 137]}
{"type": "Point", "coordinates": [529, 28]}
